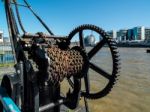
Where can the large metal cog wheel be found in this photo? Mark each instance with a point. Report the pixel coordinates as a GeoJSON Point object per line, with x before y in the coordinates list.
{"type": "Point", "coordinates": [111, 77]}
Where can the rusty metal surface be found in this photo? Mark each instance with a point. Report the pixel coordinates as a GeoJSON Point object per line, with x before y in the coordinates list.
{"type": "Point", "coordinates": [64, 63]}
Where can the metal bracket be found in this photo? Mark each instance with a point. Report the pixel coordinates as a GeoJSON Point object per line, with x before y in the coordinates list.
{"type": "Point", "coordinates": [7, 102]}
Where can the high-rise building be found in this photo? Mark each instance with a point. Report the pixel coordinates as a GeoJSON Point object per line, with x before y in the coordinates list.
{"type": "Point", "coordinates": [139, 33]}
{"type": "Point", "coordinates": [130, 35]}
{"type": "Point", "coordinates": [122, 35]}
{"type": "Point", "coordinates": [1, 36]}
{"type": "Point", "coordinates": [136, 33]}
{"type": "Point", "coordinates": [147, 34]}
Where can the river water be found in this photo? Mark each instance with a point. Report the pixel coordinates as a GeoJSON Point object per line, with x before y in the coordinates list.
{"type": "Point", "coordinates": [131, 93]}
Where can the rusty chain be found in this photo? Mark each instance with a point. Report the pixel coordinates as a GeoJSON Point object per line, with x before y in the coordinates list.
{"type": "Point", "coordinates": [65, 63]}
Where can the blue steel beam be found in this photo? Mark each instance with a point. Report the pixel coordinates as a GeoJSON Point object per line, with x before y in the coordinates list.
{"type": "Point", "coordinates": [7, 102]}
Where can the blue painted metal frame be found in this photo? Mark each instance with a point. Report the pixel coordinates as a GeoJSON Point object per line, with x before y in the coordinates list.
{"type": "Point", "coordinates": [7, 102]}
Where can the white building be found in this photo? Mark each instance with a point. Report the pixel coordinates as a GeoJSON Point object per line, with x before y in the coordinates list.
{"type": "Point", "coordinates": [112, 34]}
{"type": "Point", "coordinates": [139, 33]}
{"type": "Point", "coordinates": [6, 40]}
{"type": "Point", "coordinates": [1, 36]}
{"type": "Point", "coordinates": [136, 34]}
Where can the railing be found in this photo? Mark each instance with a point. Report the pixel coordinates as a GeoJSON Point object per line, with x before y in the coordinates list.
{"type": "Point", "coordinates": [6, 55]}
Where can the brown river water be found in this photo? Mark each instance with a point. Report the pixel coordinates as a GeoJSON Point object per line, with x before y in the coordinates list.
{"type": "Point", "coordinates": [131, 93]}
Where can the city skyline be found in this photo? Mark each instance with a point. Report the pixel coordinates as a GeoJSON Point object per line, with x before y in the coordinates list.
{"type": "Point", "coordinates": [139, 33]}
{"type": "Point", "coordinates": [123, 34]}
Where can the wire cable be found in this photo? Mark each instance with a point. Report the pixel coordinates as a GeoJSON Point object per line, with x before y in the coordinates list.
{"type": "Point", "coordinates": [41, 21]}
{"type": "Point", "coordinates": [18, 17]}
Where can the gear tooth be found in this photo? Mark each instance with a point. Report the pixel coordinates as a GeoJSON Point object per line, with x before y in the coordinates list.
{"type": "Point", "coordinates": [113, 43]}
{"type": "Point", "coordinates": [118, 69]}
{"type": "Point", "coordinates": [116, 63]}
{"type": "Point", "coordinates": [117, 79]}
{"type": "Point", "coordinates": [115, 52]}
{"type": "Point", "coordinates": [118, 66]}
{"type": "Point", "coordinates": [116, 59]}
{"type": "Point", "coordinates": [116, 72]}
{"type": "Point", "coordinates": [114, 47]}
{"type": "Point", "coordinates": [115, 82]}
{"type": "Point", "coordinates": [105, 35]}
{"type": "Point", "coordinates": [117, 55]}
{"type": "Point", "coordinates": [115, 76]}
{"type": "Point", "coordinates": [102, 32]}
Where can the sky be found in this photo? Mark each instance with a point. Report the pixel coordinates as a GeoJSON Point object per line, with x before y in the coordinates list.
{"type": "Point", "coordinates": [62, 16]}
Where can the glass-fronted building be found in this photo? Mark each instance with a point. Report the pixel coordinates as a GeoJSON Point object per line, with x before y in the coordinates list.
{"type": "Point", "coordinates": [6, 54]}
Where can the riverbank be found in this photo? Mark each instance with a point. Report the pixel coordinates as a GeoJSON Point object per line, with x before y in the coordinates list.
{"type": "Point", "coordinates": [135, 45]}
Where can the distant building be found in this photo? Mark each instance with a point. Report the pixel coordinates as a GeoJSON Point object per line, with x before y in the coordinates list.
{"type": "Point", "coordinates": [90, 40]}
{"type": "Point", "coordinates": [112, 34]}
{"type": "Point", "coordinates": [122, 35]}
{"type": "Point", "coordinates": [6, 40]}
{"type": "Point", "coordinates": [139, 33]}
{"type": "Point", "coordinates": [147, 34]}
{"type": "Point", "coordinates": [135, 34]}
{"type": "Point", "coordinates": [6, 54]}
{"type": "Point", "coordinates": [130, 35]}
{"type": "Point", "coordinates": [1, 36]}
